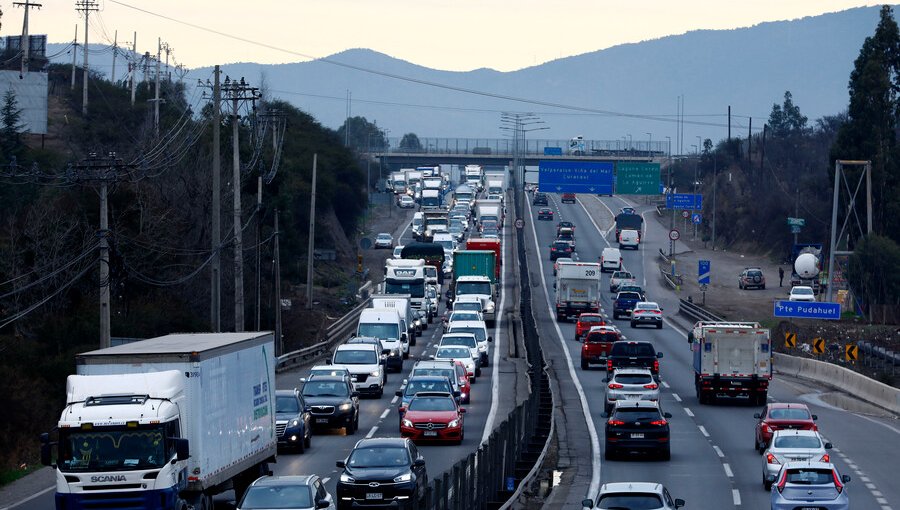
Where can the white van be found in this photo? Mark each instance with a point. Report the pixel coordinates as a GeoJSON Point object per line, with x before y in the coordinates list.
{"type": "Point", "coordinates": [629, 239]}
{"type": "Point", "coordinates": [610, 260]}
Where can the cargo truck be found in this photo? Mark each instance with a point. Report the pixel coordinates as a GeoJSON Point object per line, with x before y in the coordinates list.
{"type": "Point", "coordinates": [398, 182]}
{"type": "Point", "coordinates": [166, 423]}
{"type": "Point", "coordinates": [474, 175]}
{"type": "Point", "coordinates": [475, 263]}
{"type": "Point", "coordinates": [404, 276]}
{"type": "Point", "coordinates": [731, 359]}
{"type": "Point", "coordinates": [629, 221]}
{"type": "Point", "coordinates": [577, 289]}
{"type": "Point", "coordinates": [436, 218]}
{"type": "Point", "coordinates": [480, 287]}
{"type": "Point", "coordinates": [431, 198]}
{"type": "Point", "coordinates": [496, 183]}
{"type": "Point", "coordinates": [493, 245]}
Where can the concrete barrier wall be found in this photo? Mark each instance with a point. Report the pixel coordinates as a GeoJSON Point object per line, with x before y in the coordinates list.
{"type": "Point", "coordinates": [846, 380]}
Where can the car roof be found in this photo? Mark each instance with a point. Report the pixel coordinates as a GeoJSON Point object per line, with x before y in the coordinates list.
{"type": "Point", "coordinates": [631, 371]}
{"type": "Point", "coordinates": [788, 405]}
{"type": "Point", "coordinates": [285, 393]}
{"type": "Point", "coordinates": [654, 303]}
{"type": "Point", "coordinates": [381, 441]}
{"type": "Point", "coordinates": [637, 404]}
{"type": "Point", "coordinates": [432, 394]}
{"type": "Point", "coordinates": [380, 234]}
{"type": "Point", "coordinates": [468, 324]}
{"type": "Point", "coordinates": [284, 480]}
{"type": "Point", "coordinates": [355, 347]}
{"type": "Point", "coordinates": [329, 378]}
{"type": "Point", "coordinates": [328, 368]}
{"type": "Point", "coordinates": [428, 378]}
{"type": "Point", "coordinates": [796, 432]}
{"type": "Point", "coordinates": [589, 314]}
{"type": "Point", "coordinates": [434, 364]}
{"type": "Point", "coordinates": [606, 327]}
{"type": "Point", "coordinates": [631, 487]}
{"type": "Point", "coordinates": [458, 334]}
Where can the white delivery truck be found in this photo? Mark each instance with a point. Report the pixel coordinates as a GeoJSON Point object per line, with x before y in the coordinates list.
{"type": "Point", "coordinates": [474, 175]}
{"type": "Point", "coordinates": [386, 326]}
{"type": "Point", "coordinates": [731, 359]}
{"type": "Point", "coordinates": [413, 177]}
{"type": "Point", "coordinates": [398, 182]}
{"type": "Point", "coordinates": [166, 423]}
{"type": "Point", "coordinates": [407, 277]}
{"type": "Point", "coordinates": [496, 182]}
{"type": "Point", "coordinates": [433, 182]}
{"type": "Point", "coordinates": [577, 289]}
{"type": "Point", "coordinates": [489, 211]}
{"type": "Point", "coordinates": [431, 198]}
{"type": "Point", "coordinates": [480, 287]}
{"type": "Point", "coordinates": [408, 317]}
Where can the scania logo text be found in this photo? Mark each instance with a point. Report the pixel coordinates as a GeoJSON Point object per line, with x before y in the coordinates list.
{"type": "Point", "coordinates": [108, 478]}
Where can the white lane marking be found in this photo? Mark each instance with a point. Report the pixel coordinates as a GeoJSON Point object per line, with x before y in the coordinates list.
{"type": "Point", "coordinates": [29, 498]}
{"type": "Point", "coordinates": [603, 234]}
{"type": "Point", "coordinates": [865, 479]}
{"type": "Point", "coordinates": [498, 324]}
{"type": "Point", "coordinates": [372, 432]}
{"type": "Point", "coordinates": [326, 479]}
{"type": "Point", "coordinates": [386, 412]}
{"type": "Point", "coordinates": [665, 385]}
{"type": "Point", "coordinates": [885, 425]}
{"type": "Point", "coordinates": [871, 486]}
{"type": "Point", "coordinates": [736, 497]}
{"type": "Point", "coordinates": [613, 226]}
{"type": "Point", "coordinates": [676, 397]}
{"type": "Point", "coordinates": [403, 233]}
{"type": "Point", "coordinates": [585, 409]}
{"type": "Point", "coordinates": [395, 399]}
{"type": "Point", "coordinates": [718, 451]}
{"type": "Point", "coordinates": [728, 471]}
{"type": "Point", "coordinates": [877, 493]}
{"type": "Point", "coordinates": [703, 430]}
{"type": "Point", "coordinates": [687, 411]}
{"type": "Point", "coordinates": [643, 271]}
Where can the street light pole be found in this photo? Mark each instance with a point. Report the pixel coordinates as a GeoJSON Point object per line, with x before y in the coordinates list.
{"type": "Point", "coordinates": [649, 143]}
{"type": "Point", "coordinates": [696, 162]}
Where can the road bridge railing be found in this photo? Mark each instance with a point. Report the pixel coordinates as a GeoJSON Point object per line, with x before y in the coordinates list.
{"type": "Point", "coordinates": [334, 334]}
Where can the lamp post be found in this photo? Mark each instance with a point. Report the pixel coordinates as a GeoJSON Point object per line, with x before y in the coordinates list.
{"type": "Point", "coordinates": [696, 162]}
{"type": "Point", "coordinates": [649, 144]}
{"type": "Point", "coordinates": [629, 142]}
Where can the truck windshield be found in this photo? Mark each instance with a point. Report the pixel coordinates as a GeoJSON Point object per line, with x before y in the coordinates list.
{"type": "Point", "coordinates": [446, 244]}
{"type": "Point", "coordinates": [379, 330]}
{"type": "Point", "coordinates": [415, 288]}
{"type": "Point", "coordinates": [113, 448]}
{"type": "Point", "coordinates": [480, 288]}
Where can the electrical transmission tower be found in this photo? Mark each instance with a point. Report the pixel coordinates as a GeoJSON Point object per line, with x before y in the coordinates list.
{"type": "Point", "coordinates": [85, 6]}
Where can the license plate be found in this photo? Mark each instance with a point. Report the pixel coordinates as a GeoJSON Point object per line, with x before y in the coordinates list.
{"type": "Point", "coordinates": [373, 495]}
{"type": "Point", "coordinates": [633, 397]}
{"type": "Point", "coordinates": [637, 436]}
{"type": "Point", "coordinates": [321, 420]}
{"type": "Point", "coordinates": [430, 433]}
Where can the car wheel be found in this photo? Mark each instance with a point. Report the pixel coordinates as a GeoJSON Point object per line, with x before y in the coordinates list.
{"type": "Point", "coordinates": [763, 287]}
{"type": "Point", "coordinates": [609, 453]}
{"type": "Point", "coordinates": [584, 365]}
{"type": "Point", "coordinates": [301, 446]}
{"type": "Point", "coordinates": [633, 325]}
{"type": "Point", "coordinates": [666, 453]}
{"type": "Point", "coordinates": [659, 326]}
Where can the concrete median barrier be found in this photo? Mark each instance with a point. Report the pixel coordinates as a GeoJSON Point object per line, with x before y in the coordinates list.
{"type": "Point", "coordinates": [846, 380]}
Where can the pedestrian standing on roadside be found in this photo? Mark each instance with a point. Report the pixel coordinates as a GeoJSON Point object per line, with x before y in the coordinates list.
{"type": "Point", "coordinates": [780, 275]}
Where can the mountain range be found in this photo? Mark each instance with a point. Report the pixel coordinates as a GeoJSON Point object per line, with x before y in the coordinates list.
{"type": "Point", "coordinates": [630, 89]}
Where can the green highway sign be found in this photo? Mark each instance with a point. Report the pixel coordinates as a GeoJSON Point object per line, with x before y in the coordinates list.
{"type": "Point", "coordinates": [637, 178]}
{"type": "Point", "coordinates": [796, 222]}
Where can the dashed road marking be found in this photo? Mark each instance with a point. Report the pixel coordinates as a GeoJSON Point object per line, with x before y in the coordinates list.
{"type": "Point", "coordinates": [718, 451]}
{"type": "Point", "coordinates": [676, 397]}
{"type": "Point", "coordinates": [665, 385]}
{"type": "Point", "coordinates": [395, 399]}
{"type": "Point", "coordinates": [736, 497]}
{"type": "Point", "coordinates": [372, 432]}
{"type": "Point", "coordinates": [385, 413]}
{"type": "Point", "coordinates": [728, 471]}
{"type": "Point", "coordinates": [703, 430]}
{"type": "Point", "coordinates": [326, 479]}
{"type": "Point", "coordinates": [687, 410]}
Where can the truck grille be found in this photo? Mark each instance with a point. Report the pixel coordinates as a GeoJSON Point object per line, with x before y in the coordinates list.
{"type": "Point", "coordinates": [360, 378]}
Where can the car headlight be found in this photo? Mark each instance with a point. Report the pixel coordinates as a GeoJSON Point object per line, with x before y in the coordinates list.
{"type": "Point", "coordinates": [295, 423]}
{"type": "Point", "coordinates": [374, 373]}
{"type": "Point", "coordinates": [406, 423]}
{"type": "Point", "coordinates": [454, 423]}
{"type": "Point", "coordinates": [405, 477]}
{"type": "Point", "coordinates": [345, 478]}
{"type": "Point", "coordinates": [490, 307]}
{"type": "Point", "coordinates": [345, 407]}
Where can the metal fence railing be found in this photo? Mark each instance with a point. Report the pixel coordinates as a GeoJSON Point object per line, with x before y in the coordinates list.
{"type": "Point", "coordinates": [334, 333]}
{"type": "Point", "coordinates": [697, 313]}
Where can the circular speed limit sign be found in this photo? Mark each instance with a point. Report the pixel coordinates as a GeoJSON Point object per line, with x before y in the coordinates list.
{"type": "Point", "coordinates": [520, 223]}
{"type": "Point", "coordinates": [685, 214]}
{"type": "Point", "coordinates": [674, 235]}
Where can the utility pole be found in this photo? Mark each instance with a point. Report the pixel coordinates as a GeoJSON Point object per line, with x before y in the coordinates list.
{"type": "Point", "coordinates": [729, 123]}
{"type": "Point", "coordinates": [74, 55]}
{"type": "Point", "coordinates": [715, 184]}
{"type": "Point", "coordinates": [258, 251]}
{"type": "Point", "coordinates": [238, 93]}
{"type": "Point", "coordinates": [112, 74]}
{"type": "Point", "coordinates": [347, 123]}
{"type": "Point", "coordinates": [167, 49]}
{"type": "Point", "coordinates": [85, 6]}
{"type": "Point", "coordinates": [133, 67]}
{"type": "Point", "coordinates": [26, 42]}
{"type": "Point", "coordinates": [216, 290]}
{"type": "Point", "coordinates": [156, 94]}
{"type": "Point", "coordinates": [279, 340]}
{"type": "Point", "coordinates": [796, 209]}
{"type": "Point", "coordinates": [312, 238]}
{"type": "Point", "coordinates": [102, 170]}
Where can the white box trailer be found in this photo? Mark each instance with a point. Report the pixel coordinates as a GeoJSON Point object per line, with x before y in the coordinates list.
{"type": "Point", "coordinates": [577, 289]}
{"type": "Point", "coordinates": [731, 359]}
{"type": "Point", "coordinates": [166, 422]}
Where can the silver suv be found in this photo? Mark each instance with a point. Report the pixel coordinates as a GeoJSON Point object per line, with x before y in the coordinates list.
{"type": "Point", "coordinates": [630, 384]}
{"type": "Point", "coordinates": [633, 495]}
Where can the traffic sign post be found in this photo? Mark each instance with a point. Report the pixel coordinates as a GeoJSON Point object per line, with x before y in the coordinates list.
{"type": "Point", "coordinates": [703, 272]}
{"type": "Point", "coordinates": [807, 310]}
{"type": "Point", "coordinates": [684, 201]}
{"type": "Point", "coordinates": [696, 218]}
{"type": "Point", "coordinates": [818, 345]}
{"type": "Point", "coordinates": [796, 222]}
{"type": "Point", "coordinates": [851, 352]}
{"type": "Point", "coordinates": [520, 223]}
{"type": "Point", "coordinates": [674, 234]}
{"type": "Point", "coordinates": [637, 178]}
{"type": "Point", "coordinates": [559, 176]}
{"type": "Point", "coordinates": [685, 214]}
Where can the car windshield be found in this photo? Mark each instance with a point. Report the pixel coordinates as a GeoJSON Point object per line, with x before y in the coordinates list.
{"type": "Point", "coordinates": [384, 237]}
{"type": "Point", "coordinates": [378, 456]}
{"type": "Point", "coordinates": [646, 306]}
{"type": "Point", "coordinates": [630, 501]}
{"type": "Point", "coordinates": [590, 318]}
{"type": "Point", "coordinates": [287, 404]}
{"type": "Point", "coordinates": [806, 476]}
{"type": "Point", "coordinates": [414, 288]}
{"type": "Point", "coordinates": [754, 273]}
{"type": "Point", "coordinates": [636, 414]}
{"type": "Point", "coordinates": [633, 350]}
{"type": "Point", "coordinates": [633, 378]}
{"type": "Point", "coordinates": [354, 357]}
{"type": "Point", "coordinates": [114, 448]}
{"type": "Point", "coordinates": [797, 442]}
{"type": "Point", "coordinates": [277, 497]}
{"type": "Point", "coordinates": [324, 389]}
{"type": "Point", "coordinates": [378, 330]}
{"type": "Point", "coordinates": [800, 291]}
{"type": "Point", "coordinates": [430, 271]}
{"type": "Point", "coordinates": [452, 352]}
{"type": "Point", "coordinates": [790, 413]}
{"type": "Point", "coordinates": [414, 387]}
{"type": "Point", "coordinates": [442, 372]}
{"type": "Point", "coordinates": [467, 306]}
{"type": "Point", "coordinates": [432, 404]}
{"type": "Point", "coordinates": [479, 333]}
{"type": "Point", "coordinates": [465, 341]}
{"type": "Point", "coordinates": [479, 288]}
{"type": "Point", "coordinates": [466, 315]}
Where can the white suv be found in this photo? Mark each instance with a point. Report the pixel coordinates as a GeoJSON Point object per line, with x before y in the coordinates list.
{"type": "Point", "coordinates": [364, 363]}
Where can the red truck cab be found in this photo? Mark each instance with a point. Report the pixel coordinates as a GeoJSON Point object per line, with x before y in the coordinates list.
{"type": "Point", "coordinates": [597, 345]}
{"type": "Point", "coordinates": [490, 245]}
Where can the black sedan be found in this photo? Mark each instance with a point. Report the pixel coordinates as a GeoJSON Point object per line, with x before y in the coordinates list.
{"type": "Point", "coordinates": [637, 425]}
{"type": "Point", "coordinates": [561, 249]}
{"type": "Point", "coordinates": [545, 213]}
{"type": "Point", "coordinates": [539, 199]}
{"type": "Point", "coordinates": [332, 402]}
{"type": "Point", "coordinates": [292, 420]}
{"type": "Point", "coordinates": [382, 471]}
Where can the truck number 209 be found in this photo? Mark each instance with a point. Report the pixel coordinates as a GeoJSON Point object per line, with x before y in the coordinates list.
{"type": "Point", "coordinates": [590, 272]}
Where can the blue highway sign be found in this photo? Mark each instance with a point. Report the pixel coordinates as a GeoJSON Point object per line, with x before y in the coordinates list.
{"type": "Point", "coordinates": [684, 201]}
{"type": "Point", "coordinates": [807, 310]}
{"type": "Point", "coordinates": [576, 177]}
{"type": "Point", "coordinates": [552, 151]}
{"type": "Point", "coordinates": [703, 272]}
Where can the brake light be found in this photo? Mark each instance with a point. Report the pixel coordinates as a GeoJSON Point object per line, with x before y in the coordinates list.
{"type": "Point", "coordinates": [765, 427]}
{"type": "Point", "coordinates": [783, 481]}
{"type": "Point", "coordinates": [651, 386]}
{"type": "Point", "coordinates": [656, 365]}
{"type": "Point", "coordinates": [837, 481]}
{"type": "Point", "coordinates": [825, 458]}
{"type": "Point", "coordinates": [615, 386]}
{"type": "Point", "coordinates": [658, 423]}
{"type": "Point", "coordinates": [615, 422]}
{"type": "Point", "coordinates": [771, 459]}
{"type": "Point", "coordinates": [609, 365]}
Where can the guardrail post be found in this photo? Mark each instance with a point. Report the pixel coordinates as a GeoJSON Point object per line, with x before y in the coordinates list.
{"type": "Point", "coordinates": [429, 496]}
{"type": "Point", "coordinates": [438, 494]}
{"type": "Point", "coordinates": [445, 482]}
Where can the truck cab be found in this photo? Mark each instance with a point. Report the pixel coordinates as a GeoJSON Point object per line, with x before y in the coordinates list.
{"type": "Point", "coordinates": [481, 288]}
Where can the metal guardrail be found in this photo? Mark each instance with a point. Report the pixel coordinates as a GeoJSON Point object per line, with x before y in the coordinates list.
{"type": "Point", "coordinates": [881, 353]}
{"type": "Point", "coordinates": [334, 334]}
{"type": "Point", "coordinates": [697, 313]}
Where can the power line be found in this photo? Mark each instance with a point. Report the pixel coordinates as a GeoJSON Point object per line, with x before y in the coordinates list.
{"type": "Point", "coordinates": [35, 306]}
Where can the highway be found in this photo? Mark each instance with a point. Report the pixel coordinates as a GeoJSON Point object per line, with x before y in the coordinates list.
{"type": "Point", "coordinates": [713, 465]}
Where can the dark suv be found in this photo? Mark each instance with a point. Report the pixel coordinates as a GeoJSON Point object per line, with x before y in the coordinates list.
{"type": "Point", "coordinates": [292, 420]}
{"type": "Point", "coordinates": [384, 471]}
{"type": "Point", "coordinates": [539, 199]}
{"type": "Point", "coordinates": [631, 354]}
{"type": "Point", "coordinates": [752, 277]}
{"type": "Point", "coordinates": [332, 403]}
{"type": "Point", "coordinates": [637, 425]}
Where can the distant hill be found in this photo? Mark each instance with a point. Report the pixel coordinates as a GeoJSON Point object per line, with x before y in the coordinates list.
{"type": "Point", "coordinates": [748, 68]}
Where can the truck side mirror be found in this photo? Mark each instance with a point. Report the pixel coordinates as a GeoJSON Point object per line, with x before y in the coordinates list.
{"type": "Point", "coordinates": [47, 450]}
{"type": "Point", "coordinates": [182, 449]}
{"type": "Point", "coordinates": [757, 416]}
{"type": "Point", "coordinates": [404, 338]}
{"type": "Point", "coordinates": [490, 339]}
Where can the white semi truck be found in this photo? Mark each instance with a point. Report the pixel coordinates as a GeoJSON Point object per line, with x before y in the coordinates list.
{"type": "Point", "coordinates": [166, 423]}
{"type": "Point", "coordinates": [398, 182]}
{"type": "Point", "coordinates": [474, 175]}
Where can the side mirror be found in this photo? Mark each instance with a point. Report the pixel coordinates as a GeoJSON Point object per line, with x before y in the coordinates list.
{"type": "Point", "coordinates": [667, 415]}
{"type": "Point", "coordinates": [404, 338]}
{"type": "Point", "coordinates": [679, 503]}
{"type": "Point", "coordinates": [328, 359]}
{"type": "Point", "coordinates": [355, 394]}
{"type": "Point", "coordinates": [490, 339]}
{"type": "Point", "coordinates": [845, 478]}
{"type": "Point", "coordinates": [587, 503]}
{"type": "Point", "coordinates": [659, 355]}
{"type": "Point", "coordinates": [46, 450]}
{"type": "Point", "coordinates": [431, 356]}
{"type": "Point", "coordinates": [815, 417]}
{"type": "Point", "coordinates": [690, 338]}
{"type": "Point", "coordinates": [757, 416]}
{"type": "Point", "coordinates": [340, 464]}
{"type": "Point", "coordinates": [457, 394]}
{"type": "Point", "coordinates": [182, 449]}
{"type": "Point", "coordinates": [419, 462]}
{"type": "Point", "coordinates": [322, 503]}
{"type": "Point", "coordinates": [462, 410]}
{"type": "Point", "coordinates": [828, 446]}
{"type": "Point", "coordinates": [770, 478]}
{"type": "Point", "coordinates": [398, 393]}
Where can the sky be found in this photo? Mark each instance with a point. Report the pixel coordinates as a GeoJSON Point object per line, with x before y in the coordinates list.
{"type": "Point", "coordinates": [458, 35]}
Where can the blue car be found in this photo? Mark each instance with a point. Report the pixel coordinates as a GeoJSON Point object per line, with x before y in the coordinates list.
{"type": "Point", "coordinates": [292, 420]}
{"type": "Point", "coordinates": [809, 485]}
{"type": "Point", "coordinates": [625, 302]}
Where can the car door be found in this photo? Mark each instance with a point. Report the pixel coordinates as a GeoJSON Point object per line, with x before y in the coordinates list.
{"type": "Point", "coordinates": [762, 417]}
{"type": "Point", "coordinates": [421, 474]}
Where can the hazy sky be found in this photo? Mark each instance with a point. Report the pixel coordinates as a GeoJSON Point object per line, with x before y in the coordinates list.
{"type": "Point", "coordinates": [455, 35]}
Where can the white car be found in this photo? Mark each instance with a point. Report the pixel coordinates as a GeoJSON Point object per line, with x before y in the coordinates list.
{"type": "Point", "coordinates": [384, 240]}
{"type": "Point", "coordinates": [457, 353]}
{"type": "Point", "coordinates": [479, 329]}
{"type": "Point", "coordinates": [792, 445]}
{"type": "Point", "coordinates": [647, 312]}
{"type": "Point", "coordinates": [397, 251]}
{"type": "Point", "coordinates": [464, 340]}
{"type": "Point", "coordinates": [406, 202]}
{"type": "Point", "coordinates": [802, 293]}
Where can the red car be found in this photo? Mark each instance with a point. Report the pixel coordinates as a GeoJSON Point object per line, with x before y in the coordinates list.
{"type": "Point", "coordinates": [585, 321]}
{"type": "Point", "coordinates": [465, 386]}
{"type": "Point", "coordinates": [780, 416]}
{"type": "Point", "coordinates": [568, 197]}
{"type": "Point", "coordinates": [433, 416]}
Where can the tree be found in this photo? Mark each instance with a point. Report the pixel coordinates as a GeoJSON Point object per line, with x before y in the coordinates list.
{"type": "Point", "coordinates": [786, 120]}
{"type": "Point", "coordinates": [873, 270]}
{"type": "Point", "coordinates": [364, 135]}
{"type": "Point", "coordinates": [11, 126]}
{"type": "Point", "coordinates": [411, 143]}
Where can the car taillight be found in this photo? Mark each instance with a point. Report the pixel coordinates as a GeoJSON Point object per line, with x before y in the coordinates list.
{"type": "Point", "coordinates": [651, 386]}
{"type": "Point", "coordinates": [658, 423]}
{"type": "Point", "coordinates": [656, 365]}
{"type": "Point", "coordinates": [608, 364]}
{"type": "Point", "coordinates": [825, 458]}
{"type": "Point", "coordinates": [783, 481]}
{"type": "Point", "coordinates": [765, 427]}
{"type": "Point", "coordinates": [615, 386]}
{"type": "Point", "coordinates": [771, 459]}
{"type": "Point", "coordinates": [837, 481]}
{"type": "Point", "coordinates": [615, 422]}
